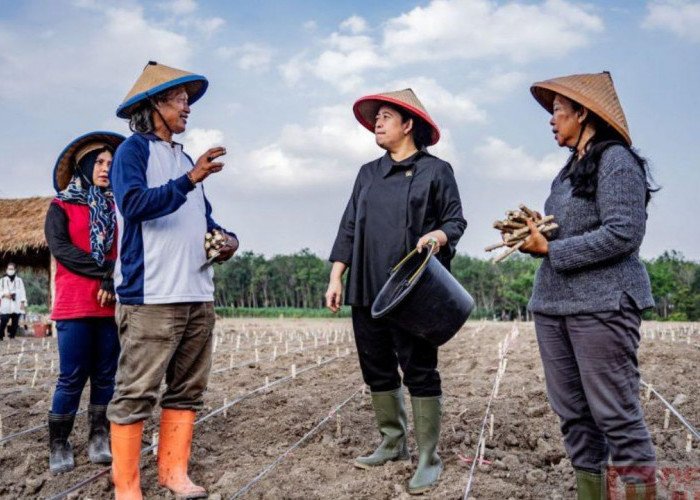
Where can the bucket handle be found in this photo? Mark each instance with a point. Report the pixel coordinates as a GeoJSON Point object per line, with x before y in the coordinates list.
{"type": "Point", "coordinates": [432, 244]}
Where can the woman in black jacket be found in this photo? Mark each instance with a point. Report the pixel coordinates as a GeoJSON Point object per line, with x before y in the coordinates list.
{"type": "Point", "coordinates": [408, 198]}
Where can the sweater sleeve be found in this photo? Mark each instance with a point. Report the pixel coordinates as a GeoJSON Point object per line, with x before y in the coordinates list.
{"type": "Point", "coordinates": [620, 199]}
{"type": "Point", "coordinates": [449, 207]}
{"type": "Point", "coordinates": [135, 200]}
{"type": "Point", "coordinates": [64, 251]}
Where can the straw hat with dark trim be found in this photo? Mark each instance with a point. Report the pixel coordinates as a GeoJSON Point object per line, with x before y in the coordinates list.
{"type": "Point", "coordinates": [155, 79]}
{"type": "Point", "coordinates": [366, 108]}
{"type": "Point", "coordinates": [593, 91]}
{"type": "Point", "coordinates": [76, 150]}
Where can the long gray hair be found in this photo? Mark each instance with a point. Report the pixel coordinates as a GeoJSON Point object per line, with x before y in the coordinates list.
{"type": "Point", "coordinates": [141, 119]}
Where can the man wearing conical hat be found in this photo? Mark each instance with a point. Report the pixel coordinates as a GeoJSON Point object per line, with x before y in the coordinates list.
{"type": "Point", "coordinates": [406, 199]}
{"type": "Point", "coordinates": [592, 287]}
{"type": "Point", "coordinates": [165, 310]}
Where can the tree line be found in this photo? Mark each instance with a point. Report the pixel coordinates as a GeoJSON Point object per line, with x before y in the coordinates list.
{"type": "Point", "coordinates": [299, 281]}
{"type": "Point", "coordinates": [501, 291]}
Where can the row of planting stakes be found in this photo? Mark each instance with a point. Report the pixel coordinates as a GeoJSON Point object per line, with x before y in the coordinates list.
{"type": "Point", "coordinates": [667, 417]}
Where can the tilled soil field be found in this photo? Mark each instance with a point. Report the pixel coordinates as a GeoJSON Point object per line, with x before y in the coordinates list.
{"type": "Point", "coordinates": [273, 429]}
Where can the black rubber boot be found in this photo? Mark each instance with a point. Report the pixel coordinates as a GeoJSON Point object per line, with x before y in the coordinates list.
{"type": "Point", "coordinates": [98, 439]}
{"type": "Point", "coordinates": [390, 410]}
{"type": "Point", "coordinates": [61, 453]}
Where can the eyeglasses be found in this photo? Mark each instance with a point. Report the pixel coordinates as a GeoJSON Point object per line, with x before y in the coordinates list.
{"type": "Point", "coordinates": [181, 101]}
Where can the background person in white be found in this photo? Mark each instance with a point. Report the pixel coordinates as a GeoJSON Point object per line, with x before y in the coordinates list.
{"type": "Point", "coordinates": [165, 311]}
{"type": "Point", "coordinates": [14, 301]}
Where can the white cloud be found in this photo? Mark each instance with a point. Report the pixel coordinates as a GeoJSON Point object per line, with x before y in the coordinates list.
{"type": "Point", "coordinates": [310, 25]}
{"type": "Point", "coordinates": [179, 7]}
{"type": "Point", "coordinates": [498, 160]}
{"type": "Point", "coordinates": [440, 103]}
{"type": "Point", "coordinates": [448, 30]}
{"type": "Point", "coordinates": [250, 56]}
{"type": "Point", "coordinates": [354, 25]}
{"type": "Point", "coordinates": [197, 140]}
{"type": "Point", "coordinates": [86, 58]}
{"type": "Point", "coordinates": [680, 17]}
{"type": "Point", "coordinates": [475, 29]}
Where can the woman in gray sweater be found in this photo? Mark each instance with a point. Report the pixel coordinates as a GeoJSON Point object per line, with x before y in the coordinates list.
{"type": "Point", "coordinates": [592, 287]}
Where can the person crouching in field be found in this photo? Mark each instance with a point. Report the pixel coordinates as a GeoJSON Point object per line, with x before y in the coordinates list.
{"type": "Point", "coordinates": [407, 198]}
{"type": "Point", "coordinates": [591, 288]}
{"type": "Point", "coordinates": [165, 310]}
{"type": "Point", "coordinates": [80, 230]}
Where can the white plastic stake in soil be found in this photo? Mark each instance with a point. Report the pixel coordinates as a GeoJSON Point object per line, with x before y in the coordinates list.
{"type": "Point", "coordinates": [337, 425]}
{"type": "Point", "coordinates": [36, 360]}
{"type": "Point", "coordinates": [15, 375]}
{"type": "Point", "coordinates": [52, 367]}
{"type": "Point", "coordinates": [267, 381]}
{"type": "Point", "coordinates": [337, 352]}
{"type": "Point", "coordinates": [667, 416]}
{"type": "Point", "coordinates": [257, 356]}
{"type": "Point", "coordinates": [230, 361]}
{"type": "Point", "coordinates": [688, 443]}
{"type": "Point", "coordinates": [286, 346]}
{"type": "Point", "coordinates": [154, 442]}
{"type": "Point", "coordinates": [648, 394]}
{"type": "Point", "coordinates": [1, 433]}
{"type": "Point", "coordinates": [673, 335]}
{"type": "Point", "coordinates": [225, 406]}
{"type": "Point", "coordinates": [482, 449]}
{"type": "Point", "coordinates": [238, 342]}
{"type": "Point", "coordinates": [315, 342]}
{"type": "Point", "coordinates": [294, 371]}
{"type": "Point", "coordinates": [36, 372]}
{"type": "Point", "coordinates": [347, 351]}
{"type": "Point", "coordinates": [274, 353]}
{"type": "Point", "coordinates": [491, 427]}
{"type": "Point", "coordinates": [318, 360]}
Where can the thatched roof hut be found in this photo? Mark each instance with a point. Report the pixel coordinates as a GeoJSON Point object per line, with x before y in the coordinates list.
{"type": "Point", "coordinates": [22, 232]}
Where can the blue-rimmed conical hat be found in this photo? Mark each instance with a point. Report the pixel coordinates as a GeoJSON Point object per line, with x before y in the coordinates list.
{"type": "Point", "coordinates": [155, 79]}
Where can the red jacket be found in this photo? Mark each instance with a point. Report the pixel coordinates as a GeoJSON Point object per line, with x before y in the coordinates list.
{"type": "Point", "coordinates": [68, 235]}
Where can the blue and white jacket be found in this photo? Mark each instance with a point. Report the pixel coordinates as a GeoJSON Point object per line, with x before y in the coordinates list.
{"type": "Point", "coordinates": [162, 219]}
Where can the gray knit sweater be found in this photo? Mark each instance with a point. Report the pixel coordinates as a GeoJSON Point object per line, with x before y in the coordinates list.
{"type": "Point", "coordinates": [594, 255]}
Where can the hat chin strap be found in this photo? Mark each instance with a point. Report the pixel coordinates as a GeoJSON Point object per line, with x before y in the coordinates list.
{"type": "Point", "coordinates": [574, 148]}
{"type": "Point", "coordinates": [153, 105]}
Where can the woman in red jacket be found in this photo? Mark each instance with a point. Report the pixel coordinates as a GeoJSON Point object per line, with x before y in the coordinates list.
{"type": "Point", "coordinates": [81, 232]}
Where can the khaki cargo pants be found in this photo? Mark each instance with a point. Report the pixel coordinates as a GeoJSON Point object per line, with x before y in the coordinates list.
{"type": "Point", "coordinates": [174, 340]}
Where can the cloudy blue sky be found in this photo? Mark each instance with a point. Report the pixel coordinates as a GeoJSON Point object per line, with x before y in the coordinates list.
{"type": "Point", "coordinates": [284, 74]}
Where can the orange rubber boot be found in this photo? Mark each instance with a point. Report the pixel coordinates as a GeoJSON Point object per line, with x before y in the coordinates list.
{"type": "Point", "coordinates": [174, 443]}
{"type": "Point", "coordinates": [126, 452]}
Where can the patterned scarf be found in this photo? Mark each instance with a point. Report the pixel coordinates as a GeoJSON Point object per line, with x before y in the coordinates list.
{"type": "Point", "coordinates": [102, 217]}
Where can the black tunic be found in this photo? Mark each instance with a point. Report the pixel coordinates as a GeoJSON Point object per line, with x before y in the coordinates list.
{"type": "Point", "coordinates": [391, 207]}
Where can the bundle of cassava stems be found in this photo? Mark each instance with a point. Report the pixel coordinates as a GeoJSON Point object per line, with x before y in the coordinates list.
{"type": "Point", "coordinates": [515, 231]}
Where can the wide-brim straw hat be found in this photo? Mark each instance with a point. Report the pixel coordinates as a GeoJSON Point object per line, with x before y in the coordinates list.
{"type": "Point", "coordinates": [365, 109]}
{"type": "Point", "coordinates": [594, 91]}
{"type": "Point", "coordinates": [70, 156]}
{"type": "Point", "coordinates": [155, 79]}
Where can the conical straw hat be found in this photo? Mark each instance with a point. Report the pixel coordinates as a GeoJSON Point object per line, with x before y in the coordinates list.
{"type": "Point", "coordinates": [72, 154]}
{"type": "Point", "coordinates": [366, 108]}
{"type": "Point", "coordinates": [593, 91]}
{"type": "Point", "coordinates": [157, 78]}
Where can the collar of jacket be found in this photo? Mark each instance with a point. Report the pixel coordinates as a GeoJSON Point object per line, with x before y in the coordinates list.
{"type": "Point", "coordinates": [388, 165]}
{"type": "Point", "coordinates": [154, 138]}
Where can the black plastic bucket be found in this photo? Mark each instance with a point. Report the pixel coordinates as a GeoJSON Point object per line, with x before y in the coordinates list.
{"type": "Point", "coordinates": [422, 297]}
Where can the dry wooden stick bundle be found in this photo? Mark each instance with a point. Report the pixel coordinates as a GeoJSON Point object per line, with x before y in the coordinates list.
{"type": "Point", "coordinates": [213, 242]}
{"type": "Point", "coordinates": [516, 232]}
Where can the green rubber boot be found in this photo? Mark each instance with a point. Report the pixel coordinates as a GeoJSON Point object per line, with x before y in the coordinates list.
{"type": "Point", "coordinates": [426, 416]}
{"type": "Point", "coordinates": [390, 410]}
{"type": "Point", "coordinates": [589, 485]}
{"type": "Point", "coordinates": [640, 491]}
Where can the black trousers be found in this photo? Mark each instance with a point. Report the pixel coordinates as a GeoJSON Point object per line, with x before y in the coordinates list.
{"type": "Point", "coordinates": [13, 319]}
{"type": "Point", "coordinates": [382, 348]}
{"type": "Point", "coordinates": [590, 367]}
